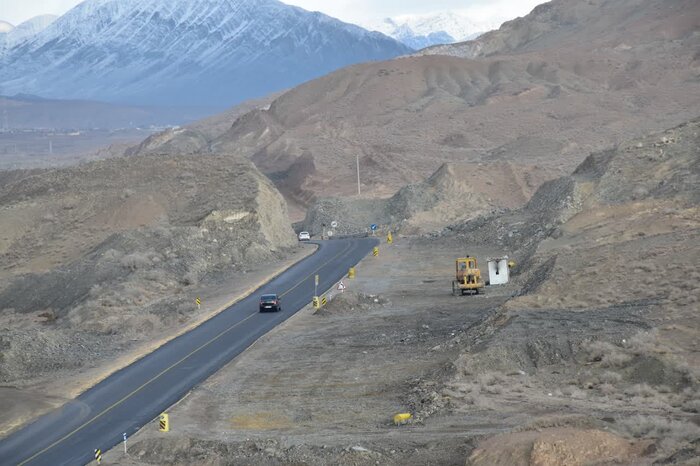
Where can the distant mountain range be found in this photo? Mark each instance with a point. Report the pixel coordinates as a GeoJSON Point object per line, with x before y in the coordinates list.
{"type": "Point", "coordinates": [420, 31]}
{"type": "Point", "coordinates": [182, 52]}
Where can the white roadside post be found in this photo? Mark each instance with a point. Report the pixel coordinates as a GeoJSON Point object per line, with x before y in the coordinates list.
{"type": "Point", "coordinates": [316, 286]}
{"type": "Point", "coordinates": [124, 443]}
{"type": "Point", "coordinates": [357, 160]}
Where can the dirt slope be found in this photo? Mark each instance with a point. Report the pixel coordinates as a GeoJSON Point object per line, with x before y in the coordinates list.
{"type": "Point", "coordinates": [552, 89]}
{"type": "Point", "coordinates": [196, 137]}
{"type": "Point", "coordinates": [608, 278]}
{"type": "Point", "coordinates": [111, 251]}
{"type": "Point", "coordinates": [455, 192]}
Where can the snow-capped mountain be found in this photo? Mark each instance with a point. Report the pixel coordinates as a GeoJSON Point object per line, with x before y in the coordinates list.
{"type": "Point", "coordinates": [184, 52]}
{"type": "Point", "coordinates": [420, 31]}
{"type": "Point", "coordinates": [31, 27]}
{"type": "Point", "coordinates": [5, 27]}
{"type": "Point", "coordinates": [14, 35]}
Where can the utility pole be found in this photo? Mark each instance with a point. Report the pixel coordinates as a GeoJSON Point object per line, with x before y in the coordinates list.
{"type": "Point", "coordinates": [357, 160]}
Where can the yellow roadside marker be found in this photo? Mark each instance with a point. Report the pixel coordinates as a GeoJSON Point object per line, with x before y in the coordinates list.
{"type": "Point", "coordinates": [164, 423]}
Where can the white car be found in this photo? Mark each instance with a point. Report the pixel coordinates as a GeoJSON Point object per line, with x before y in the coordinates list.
{"type": "Point", "coordinates": [304, 236]}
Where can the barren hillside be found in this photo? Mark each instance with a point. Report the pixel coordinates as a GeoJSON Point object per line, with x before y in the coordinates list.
{"type": "Point", "coordinates": [606, 315]}
{"type": "Point", "coordinates": [112, 251]}
{"type": "Point", "coordinates": [624, 24]}
{"type": "Point", "coordinates": [540, 100]}
{"type": "Point", "coordinates": [588, 355]}
{"type": "Point", "coordinates": [456, 191]}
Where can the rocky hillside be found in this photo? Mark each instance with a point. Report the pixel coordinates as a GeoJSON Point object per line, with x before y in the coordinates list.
{"type": "Point", "coordinates": [549, 103]}
{"type": "Point", "coordinates": [112, 248]}
{"type": "Point", "coordinates": [633, 213]}
{"type": "Point", "coordinates": [584, 26]}
{"type": "Point", "coordinates": [604, 325]}
{"type": "Point", "coordinates": [455, 192]}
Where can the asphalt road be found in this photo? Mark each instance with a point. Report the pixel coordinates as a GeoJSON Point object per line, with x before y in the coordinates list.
{"type": "Point", "coordinates": [135, 395]}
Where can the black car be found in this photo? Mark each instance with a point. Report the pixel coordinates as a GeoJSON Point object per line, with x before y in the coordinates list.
{"type": "Point", "coordinates": [270, 302]}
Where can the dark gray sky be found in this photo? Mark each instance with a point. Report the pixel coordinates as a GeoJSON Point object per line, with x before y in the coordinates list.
{"type": "Point", "coordinates": [356, 11]}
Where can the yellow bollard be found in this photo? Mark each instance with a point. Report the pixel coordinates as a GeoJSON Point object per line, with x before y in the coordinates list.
{"type": "Point", "coordinates": [402, 418]}
{"type": "Point", "coordinates": [324, 301]}
{"type": "Point", "coordinates": [316, 302]}
{"type": "Point", "coordinates": [351, 272]}
{"type": "Point", "coordinates": [375, 251]}
{"type": "Point", "coordinates": [164, 423]}
{"type": "Point", "coordinates": [389, 238]}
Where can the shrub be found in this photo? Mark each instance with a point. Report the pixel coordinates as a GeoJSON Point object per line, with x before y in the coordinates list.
{"type": "Point", "coordinates": [607, 389]}
{"type": "Point", "coordinates": [606, 353]}
{"type": "Point", "coordinates": [642, 390]}
{"type": "Point", "coordinates": [135, 261]}
{"type": "Point", "coordinates": [610, 377]}
{"type": "Point", "coordinates": [658, 427]}
{"type": "Point", "coordinates": [190, 278]}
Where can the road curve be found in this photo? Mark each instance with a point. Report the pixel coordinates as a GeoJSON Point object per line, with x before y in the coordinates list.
{"type": "Point", "coordinates": [133, 396]}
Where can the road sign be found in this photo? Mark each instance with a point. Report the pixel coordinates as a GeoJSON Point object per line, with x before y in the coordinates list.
{"type": "Point", "coordinates": [373, 227]}
{"type": "Point", "coordinates": [375, 251]}
{"type": "Point", "coordinates": [324, 301]}
{"type": "Point", "coordinates": [341, 286]}
{"type": "Point", "coordinates": [316, 302]}
{"type": "Point", "coordinates": [98, 455]}
{"type": "Point", "coordinates": [199, 302]}
{"type": "Point", "coordinates": [334, 224]}
{"type": "Point", "coordinates": [330, 233]}
{"type": "Point", "coordinates": [124, 435]}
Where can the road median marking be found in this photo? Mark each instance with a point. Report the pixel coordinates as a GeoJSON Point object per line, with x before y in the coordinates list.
{"type": "Point", "coordinates": [164, 371]}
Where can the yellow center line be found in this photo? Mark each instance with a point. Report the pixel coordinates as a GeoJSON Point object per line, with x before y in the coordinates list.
{"type": "Point", "coordinates": [154, 378]}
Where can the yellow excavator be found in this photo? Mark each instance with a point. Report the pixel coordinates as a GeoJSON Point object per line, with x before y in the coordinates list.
{"type": "Point", "coordinates": [468, 277]}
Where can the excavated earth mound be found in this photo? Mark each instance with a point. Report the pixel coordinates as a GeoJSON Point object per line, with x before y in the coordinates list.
{"type": "Point", "coordinates": [455, 192]}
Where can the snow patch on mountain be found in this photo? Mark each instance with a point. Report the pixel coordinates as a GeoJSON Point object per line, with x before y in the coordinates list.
{"type": "Point", "coordinates": [30, 28]}
{"type": "Point", "coordinates": [5, 27]}
{"type": "Point", "coordinates": [420, 31]}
